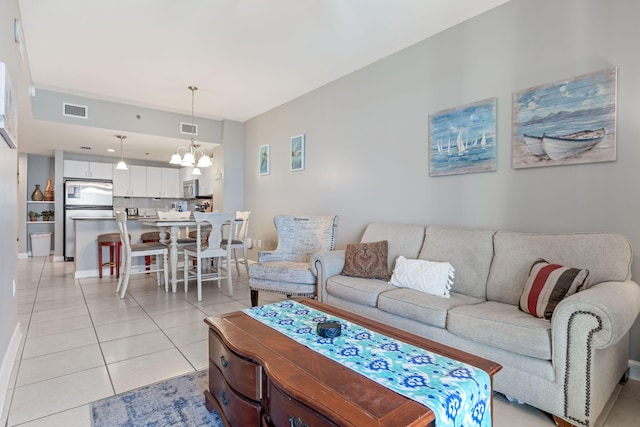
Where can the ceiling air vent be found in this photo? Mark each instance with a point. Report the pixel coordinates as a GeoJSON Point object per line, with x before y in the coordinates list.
{"type": "Point", "coordinates": [73, 110]}
{"type": "Point", "coordinates": [188, 128]}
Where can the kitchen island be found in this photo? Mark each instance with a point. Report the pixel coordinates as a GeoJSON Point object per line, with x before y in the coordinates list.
{"type": "Point", "coordinates": [86, 248]}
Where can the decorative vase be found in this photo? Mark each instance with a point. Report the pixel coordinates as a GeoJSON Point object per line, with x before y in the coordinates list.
{"type": "Point", "coordinates": [48, 192]}
{"type": "Point", "coordinates": [37, 195]}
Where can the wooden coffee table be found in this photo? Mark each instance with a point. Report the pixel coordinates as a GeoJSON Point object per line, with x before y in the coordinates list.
{"type": "Point", "coordinates": [260, 377]}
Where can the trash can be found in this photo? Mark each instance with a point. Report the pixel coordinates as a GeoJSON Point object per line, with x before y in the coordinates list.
{"type": "Point", "coordinates": [40, 244]}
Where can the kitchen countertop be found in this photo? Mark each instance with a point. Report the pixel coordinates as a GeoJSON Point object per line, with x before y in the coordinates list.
{"type": "Point", "coordinates": [131, 218]}
{"type": "Point", "coordinates": [83, 218]}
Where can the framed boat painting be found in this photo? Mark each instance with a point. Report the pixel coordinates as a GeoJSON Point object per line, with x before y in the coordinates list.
{"type": "Point", "coordinates": [264, 160]}
{"type": "Point", "coordinates": [463, 139]}
{"type": "Point", "coordinates": [297, 153]}
{"type": "Point", "coordinates": [566, 122]}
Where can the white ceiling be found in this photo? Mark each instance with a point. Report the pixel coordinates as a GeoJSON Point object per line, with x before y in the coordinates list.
{"type": "Point", "coordinates": [245, 56]}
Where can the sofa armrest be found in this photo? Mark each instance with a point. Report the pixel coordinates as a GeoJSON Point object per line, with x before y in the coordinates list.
{"type": "Point", "coordinates": [596, 319]}
{"type": "Point", "coordinates": [615, 304]}
{"type": "Point", "coordinates": [325, 264]}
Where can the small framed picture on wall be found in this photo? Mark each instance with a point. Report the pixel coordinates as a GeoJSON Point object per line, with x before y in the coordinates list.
{"type": "Point", "coordinates": [297, 153]}
{"type": "Point", "coordinates": [263, 160]}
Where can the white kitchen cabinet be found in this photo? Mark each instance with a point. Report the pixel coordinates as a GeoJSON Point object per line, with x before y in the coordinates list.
{"type": "Point", "coordinates": [162, 182]}
{"type": "Point", "coordinates": [171, 184]}
{"type": "Point", "coordinates": [147, 181]}
{"type": "Point", "coordinates": [130, 183]}
{"type": "Point", "coordinates": [88, 170]}
{"type": "Point", "coordinates": [120, 183]}
{"type": "Point", "coordinates": [185, 174]}
{"type": "Point", "coordinates": [154, 182]}
{"type": "Point", "coordinates": [206, 181]}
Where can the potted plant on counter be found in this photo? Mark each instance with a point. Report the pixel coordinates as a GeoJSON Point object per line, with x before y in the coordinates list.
{"type": "Point", "coordinates": [33, 216]}
{"type": "Point", "coordinates": [47, 215]}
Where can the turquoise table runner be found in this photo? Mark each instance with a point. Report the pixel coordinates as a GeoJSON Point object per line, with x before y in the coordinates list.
{"type": "Point", "coordinates": [459, 394]}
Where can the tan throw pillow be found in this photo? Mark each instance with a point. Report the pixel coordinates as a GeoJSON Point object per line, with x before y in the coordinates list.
{"type": "Point", "coordinates": [547, 285]}
{"type": "Point", "coordinates": [367, 260]}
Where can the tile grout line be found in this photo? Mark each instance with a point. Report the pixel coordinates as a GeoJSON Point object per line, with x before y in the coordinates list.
{"type": "Point", "coordinates": [24, 339]}
{"type": "Point", "coordinates": [97, 338]}
{"type": "Point", "coordinates": [164, 333]}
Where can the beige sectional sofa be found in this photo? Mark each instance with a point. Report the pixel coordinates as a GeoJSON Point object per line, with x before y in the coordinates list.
{"type": "Point", "coordinates": [568, 366]}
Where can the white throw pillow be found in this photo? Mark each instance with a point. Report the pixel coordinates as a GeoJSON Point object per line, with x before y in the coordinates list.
{"type": "Point", "coordinates": [431, 277]}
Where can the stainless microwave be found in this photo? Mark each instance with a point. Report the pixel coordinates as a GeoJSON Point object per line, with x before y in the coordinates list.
{"type": "Point", "coordinates": [191, 189]}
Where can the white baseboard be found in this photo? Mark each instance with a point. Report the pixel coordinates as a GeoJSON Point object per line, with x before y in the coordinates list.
{"type": "Point", "coordinates": [83, 274]}
{"type": "Point", "coordinates": [23, 255]}
{"type": "Point", "coordinates": [7, 364]}
{"type": "Point", "coordinates": [634, 370]}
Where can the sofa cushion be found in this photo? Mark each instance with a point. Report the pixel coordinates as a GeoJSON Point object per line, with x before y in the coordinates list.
{"type": "Point", "coordinates": [606, 256]}
{"type": "Point", "coordinates": [356, 289]}
{"type": "Point", "coordinates": [547, 285]}
{"type": "Point", "coordinates": [422, 307]}
{"type": "Point", "coordinates": [402, 239]}
{"type": "Point", "coordinates": [469, 251]}
{"type": "Point", "coordinates": [503, 326]}
{"type": "Point", "coordinates": [366, 260]}
{"type": "Point", "coordinates": [283, 271]}
{"type": "Point", "coordinates": [434, 278]}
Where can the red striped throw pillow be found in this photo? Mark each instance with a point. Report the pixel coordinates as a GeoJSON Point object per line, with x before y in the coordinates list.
{"type": "Point", "coordinates": [548, 284]}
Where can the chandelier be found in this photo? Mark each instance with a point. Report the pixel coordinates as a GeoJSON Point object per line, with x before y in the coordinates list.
{"type": "Point", "coordinates": [193, 150]}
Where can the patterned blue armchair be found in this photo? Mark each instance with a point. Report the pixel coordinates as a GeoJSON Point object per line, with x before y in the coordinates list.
{"type": "Point", "coordinates": [287, 270]}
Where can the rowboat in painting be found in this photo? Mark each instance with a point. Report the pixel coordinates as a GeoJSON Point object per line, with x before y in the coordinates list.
{"type": "Point", "coordinates": [534, 144]}
{"type": "Point", "coordinates": [561, 147]}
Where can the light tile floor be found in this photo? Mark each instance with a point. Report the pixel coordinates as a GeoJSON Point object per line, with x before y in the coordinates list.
{"type": "Point", "coordinates": [82, 343]}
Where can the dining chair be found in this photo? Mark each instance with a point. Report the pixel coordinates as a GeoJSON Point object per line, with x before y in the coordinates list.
{"type": "Point", "coordinates": [287, 269]}
{"type": "Point", "coordinates": [239, 240]}
{"type": "Point", "coordinates": [213, 247]}
{"type": "Point", "coordinates": [157, 249]}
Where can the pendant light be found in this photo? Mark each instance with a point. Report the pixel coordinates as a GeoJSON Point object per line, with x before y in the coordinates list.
{"type": "Point", "coordinates": [121, 166]}
{"type": "Point", "coordinates": [189, 157]}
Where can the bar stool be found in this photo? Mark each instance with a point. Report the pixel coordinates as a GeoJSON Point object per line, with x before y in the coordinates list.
{"type": "Point", "coordinates": [149, 237]}
{"type": "Point", "coordinates": [112, 241]}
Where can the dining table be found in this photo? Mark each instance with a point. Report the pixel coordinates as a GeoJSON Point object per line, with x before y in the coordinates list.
{"type": "Point", "coordinates": [169, 234]}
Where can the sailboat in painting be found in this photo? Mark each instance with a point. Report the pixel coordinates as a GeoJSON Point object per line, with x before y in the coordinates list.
{"type": "Point", "coordinates": [461, 146]}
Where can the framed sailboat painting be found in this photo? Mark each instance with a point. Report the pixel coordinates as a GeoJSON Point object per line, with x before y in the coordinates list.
{"type": "Point", "coordinates": [463, 139]}
{"type": "Point", "coordinates": [566, 122]}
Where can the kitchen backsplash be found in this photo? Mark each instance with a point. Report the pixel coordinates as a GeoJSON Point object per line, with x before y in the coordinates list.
{"type": "Point", "coordinates": [148, 206]}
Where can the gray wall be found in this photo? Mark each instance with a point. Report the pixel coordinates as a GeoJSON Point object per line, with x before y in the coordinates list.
{"type": "Point", "coordinates": [367, 133]}
{"type": "Point", "coordinates": [231, 165]}
{"type": "Point", "coordinates": [9, 54]}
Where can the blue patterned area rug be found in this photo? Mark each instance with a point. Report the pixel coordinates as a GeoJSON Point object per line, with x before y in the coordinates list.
{"type": "Point", "coordinates": [176, 402]}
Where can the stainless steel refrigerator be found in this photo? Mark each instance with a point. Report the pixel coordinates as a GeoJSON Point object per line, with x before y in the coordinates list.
{"type": "Point", "coordinates": [92, 199]}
